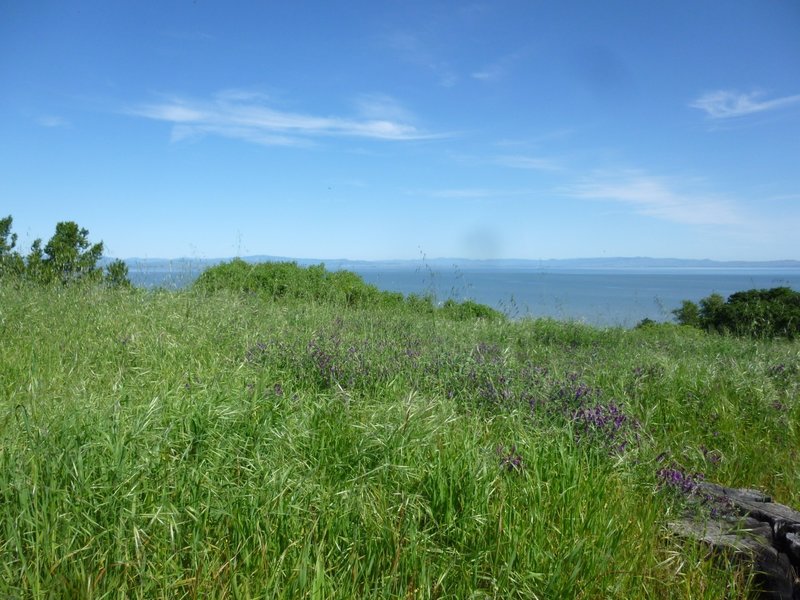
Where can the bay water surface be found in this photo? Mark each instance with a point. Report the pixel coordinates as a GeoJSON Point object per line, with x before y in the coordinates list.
{"type": "Point", "coordinates": [602, 297]}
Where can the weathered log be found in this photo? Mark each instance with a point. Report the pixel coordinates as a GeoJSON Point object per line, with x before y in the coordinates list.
{"type": "Point", "coordinates": [746, 526]}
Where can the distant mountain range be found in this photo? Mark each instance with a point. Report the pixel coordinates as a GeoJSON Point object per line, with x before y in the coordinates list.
{"type": "Point", "coordinates": [180, 264]}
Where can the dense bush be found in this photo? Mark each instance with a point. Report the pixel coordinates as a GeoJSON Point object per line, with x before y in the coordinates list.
{"type": "Point", "coordinates": [464, 311]}
{"type": "Point", "coordinates": [768, 313]}
{"type": "Point", "coordinates": [287, 280]}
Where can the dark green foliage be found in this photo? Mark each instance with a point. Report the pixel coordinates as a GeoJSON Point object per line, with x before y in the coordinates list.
{"type": "Point", "coordinates": [712, 309]}
{"type": "Point", "coordinates": [772, 313]}
{"type": "Point", "coordinates": [66, 258]}
{"type": "Point", "coordinates": [421, 304]}
{"type": "Point", "coordinates": [468, 310]}
{"type": "Point", "coordinates": [117, 274]}
{"type": "Point", "coordinates": [288, 281]}
{"type": "Point", "coordinates": [7, 246]}
{"type": "Point", "coordinates": [11, 262]}
{"type": "Point", "coordinates": [35, 268]}
{"type": "Point", "coordinates": [688, 314]}
{"type": "Point", "coordinates": [650, 324]}
{"type": "Point", "coordinates": [70, 257]}
{"type": "Point", "coordinates": [766, 313]}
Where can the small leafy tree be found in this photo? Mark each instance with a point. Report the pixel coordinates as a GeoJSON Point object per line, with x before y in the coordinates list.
{"type": "Point", "coordinates": [68, 256]}
{"type": "Point", "coordinates": [34, 262]}
{"type": "Point", "coordinates": [713, 313]}
{"type": "Point", "coordinates": [7, 246]}
{"type": "Point", "coordinates": [11, 262]}
{"type": "Point", "coordinates": [117, 274]}
{"type": "Point", "coordinates": [688, 314]}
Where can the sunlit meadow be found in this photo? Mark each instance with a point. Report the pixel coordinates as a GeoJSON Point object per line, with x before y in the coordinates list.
{"type": "Point", "coordinates": [223, 445]}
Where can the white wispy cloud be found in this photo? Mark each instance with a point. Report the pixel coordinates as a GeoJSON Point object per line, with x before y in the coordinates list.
{"type": "Point", "coordinates": [52, 121]}
{"type": "Point", "coordinates": [725, 104]}
{"type": "Point", "coordinates": [659, 197]}
{"type": "Point", "coordinates": [248, 116]}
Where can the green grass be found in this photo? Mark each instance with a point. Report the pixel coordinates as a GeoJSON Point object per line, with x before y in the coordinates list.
{"type": "Point", "coordinates": [224, 445]}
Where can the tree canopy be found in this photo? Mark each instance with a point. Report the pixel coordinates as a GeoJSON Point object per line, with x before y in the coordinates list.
{"type": "Point", "coordinates": [10, 261]}
{"type": "Point", "coordinates": [67, 257]}
{"type": "Point", "coordinates": [771, 312]}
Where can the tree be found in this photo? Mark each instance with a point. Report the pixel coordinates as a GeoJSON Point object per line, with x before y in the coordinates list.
{"type": "Point", "coordinates": [34, 262]}
{"type": "Point", "coordinates": [69, 256]}
{"type": "Point", "coordinates": [765, 313]}
{"type": "Point", "coordinates": [713, 313]}
{"type": "Point", "coordinates": [5, 231]}
{"type": "Point", "coordinates": [117, 274]}
{"type": "Point", "coordinates": [759, 313]}
{"type": "Point", "coordinates": [688, 314]}
{"type": "Point", "coordinates": [10, 261]}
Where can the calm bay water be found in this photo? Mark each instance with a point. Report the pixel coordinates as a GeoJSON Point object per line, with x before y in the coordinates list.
{"type": "Point", "coordinates": [595, 296]}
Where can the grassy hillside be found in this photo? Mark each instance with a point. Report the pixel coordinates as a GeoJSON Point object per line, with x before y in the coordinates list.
{"type": "Point", "coordinates": [226, 444]}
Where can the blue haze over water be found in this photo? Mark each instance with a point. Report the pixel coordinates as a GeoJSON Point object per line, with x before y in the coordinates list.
{"type": "Point", "coordinates": [603, 297]}
{"type": "Point", "coordinates": [598, 297]}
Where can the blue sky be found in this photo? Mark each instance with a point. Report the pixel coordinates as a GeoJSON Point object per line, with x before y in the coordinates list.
{"type": "Point", "coordinates": [376, 130]}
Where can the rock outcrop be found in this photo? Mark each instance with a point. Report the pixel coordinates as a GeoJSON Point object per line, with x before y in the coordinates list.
{"type": "Point", "coordinates": [747, 526]}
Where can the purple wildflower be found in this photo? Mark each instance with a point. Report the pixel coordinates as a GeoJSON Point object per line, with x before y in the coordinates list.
{"type": "Point", "coordinates": [607, 423]}
{"type": "Point", "coordinates": [674, 477]}
{"type": "Point", "coordinates": [511, 460]}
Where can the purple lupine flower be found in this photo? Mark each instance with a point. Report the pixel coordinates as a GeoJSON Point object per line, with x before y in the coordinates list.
{"type": "Point", "coordinates": [607, 423]}
{"type": "Point", "coordinates": [511, 460]}
{"type": "Point", "coordinates": [674, 477]}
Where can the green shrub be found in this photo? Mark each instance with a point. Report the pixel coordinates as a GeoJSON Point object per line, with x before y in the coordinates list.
{"type": "Point", "coordinates": [765, 313]}
{"type": "Point", "coordinates": [279, 281]}
{"type": "Point", "coordinates": [468, 310]}
{"type": "Point", "coordinates": [117, 274]}
{"type": "Point", "coordinates": [688, 314]}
